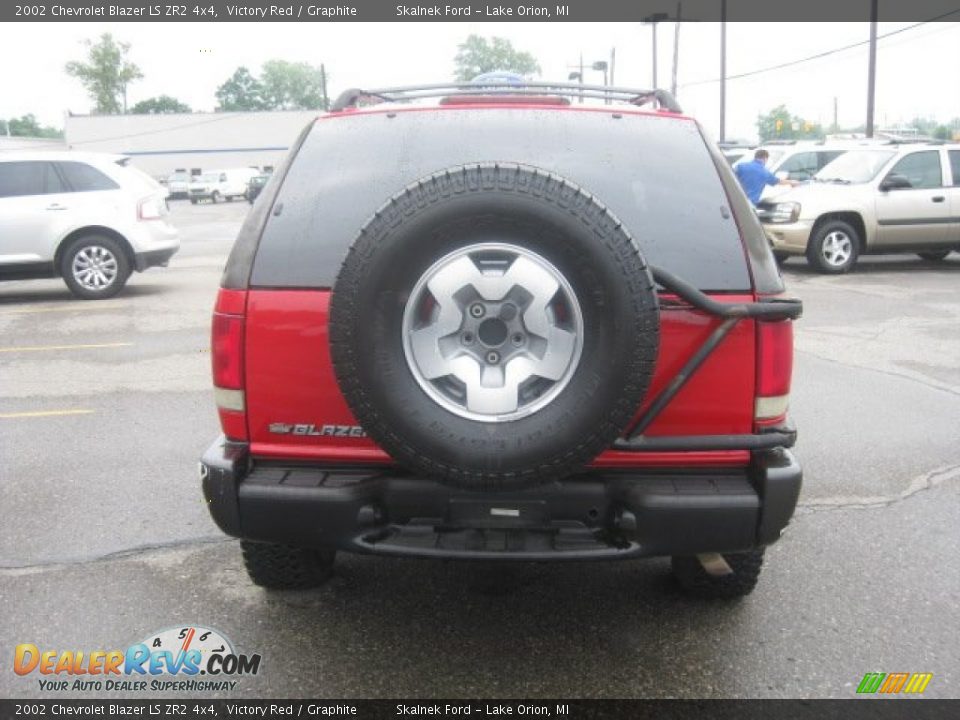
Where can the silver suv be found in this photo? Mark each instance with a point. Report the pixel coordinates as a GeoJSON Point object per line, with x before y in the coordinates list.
{"type": "Point", "coordinates": [871, 200]}
{"type": "Point", "coordinates": [89, 218]}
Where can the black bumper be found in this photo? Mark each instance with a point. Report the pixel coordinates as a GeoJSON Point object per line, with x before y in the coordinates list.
{"type": "Point", "coordinates": [600, 514]}
{"type": "Point", "coordinates": [146, 260]}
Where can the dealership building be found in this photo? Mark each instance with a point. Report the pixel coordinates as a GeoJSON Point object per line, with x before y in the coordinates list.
{"type": "Point", "coordinates": [195, 142]}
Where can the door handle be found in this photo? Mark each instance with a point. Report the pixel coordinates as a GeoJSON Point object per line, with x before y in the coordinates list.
{"type": "Point", "coordinates": [56, 206]}
{"type": "Point", "coordinates": [938, 198]}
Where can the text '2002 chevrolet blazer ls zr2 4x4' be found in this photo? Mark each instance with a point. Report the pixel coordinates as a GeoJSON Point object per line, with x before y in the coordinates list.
{"type": "Point", "coordinates": [501, 325]}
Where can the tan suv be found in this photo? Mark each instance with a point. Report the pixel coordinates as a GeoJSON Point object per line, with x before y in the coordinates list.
{"type": "Point", "coordinates": [871, 200]}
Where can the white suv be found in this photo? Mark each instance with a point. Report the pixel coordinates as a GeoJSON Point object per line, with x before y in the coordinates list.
{"type": "Point", "coordinates": [796, 161]}
{"type": "Point", "coordinates": [86, 217]}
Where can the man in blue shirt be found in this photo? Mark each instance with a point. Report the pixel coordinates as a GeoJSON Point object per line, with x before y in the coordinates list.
{"type": "Point", "coordinates": [754, 176]}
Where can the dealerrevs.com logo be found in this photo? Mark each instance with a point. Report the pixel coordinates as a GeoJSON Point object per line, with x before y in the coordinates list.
{"type": "Point", "coordinates": [170, 660]}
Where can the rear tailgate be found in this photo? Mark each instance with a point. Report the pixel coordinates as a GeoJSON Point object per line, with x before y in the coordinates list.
{"type": "Point", "coordinates": [295, 409]}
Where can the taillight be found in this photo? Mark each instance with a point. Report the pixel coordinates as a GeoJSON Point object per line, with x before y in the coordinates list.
{"type": "Point", "coordinates": [151, 208]}
{"type": "Point", "coordinates": [226, 343]}
{"type": "Point", "coordinates": [774, 370]}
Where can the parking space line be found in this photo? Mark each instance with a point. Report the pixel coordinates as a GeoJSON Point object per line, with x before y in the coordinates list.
{"type": "Point", "coordinates": [44, 413]}
{"type": "Point", "coordinates": [61, 308]}
{"type": "Point", "coordinates": [40, 348]}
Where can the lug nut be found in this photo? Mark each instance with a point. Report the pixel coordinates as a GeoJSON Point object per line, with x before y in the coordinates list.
{"type": "Point", "coordinates": [477, 310]}
{"type": "Point", "coordinates": [467, 338]}
{"type": "Point", "coordinates": [508, 312]}
{"type": "Point", "coordinates": [517, 339]}
{"type": "Point", "coordinates": [493, 357]}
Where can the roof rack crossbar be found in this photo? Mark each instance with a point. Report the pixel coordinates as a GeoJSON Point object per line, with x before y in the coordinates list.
{"type": "Point", "coordinates": [633, 96]}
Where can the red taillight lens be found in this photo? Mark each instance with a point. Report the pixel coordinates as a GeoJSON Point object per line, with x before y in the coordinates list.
{"type": "Point", "coordinates": [774, 369]}
{"type": "Point", "coordinates": [226, 343]}
{"type": "Point", "coordinates": [227, 350]}
{"type": "Point", "coordinates": [774, 357]}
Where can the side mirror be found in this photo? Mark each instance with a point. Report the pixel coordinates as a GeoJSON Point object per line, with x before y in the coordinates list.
{"type": "Point", "coordinates": [895, 181]}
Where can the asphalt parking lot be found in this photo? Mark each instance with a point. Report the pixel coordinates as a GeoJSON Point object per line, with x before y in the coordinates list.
{"type": "Point", "coordinates": [106, 406]}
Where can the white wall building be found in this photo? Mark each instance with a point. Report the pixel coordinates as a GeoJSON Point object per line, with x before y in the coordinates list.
{"type": "Point", "coordinates": [160, 144]}
{"type": "Point", "coordinates": [17, 143]}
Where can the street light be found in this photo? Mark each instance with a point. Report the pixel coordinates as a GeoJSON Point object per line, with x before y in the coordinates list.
{"type": "Point", "coordinates": [652, 21]}
{"type": "Point", "coordinates": [578, 76]}
{"type": "Point", "coordinates": [601, 65]}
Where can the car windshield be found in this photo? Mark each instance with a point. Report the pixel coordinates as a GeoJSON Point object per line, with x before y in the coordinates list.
{"type": "Point", "coordinates": [855, 166]}
{"type": "Point", "coordinates": [210, 177]}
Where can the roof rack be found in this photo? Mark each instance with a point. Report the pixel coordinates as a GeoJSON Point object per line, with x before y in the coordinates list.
{"type": "Point", "coordinates": [354, 97]}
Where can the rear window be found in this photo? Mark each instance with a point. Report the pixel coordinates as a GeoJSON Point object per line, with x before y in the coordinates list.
{"type": "Point", "coordinates": [85, 178]}
{"type": "Point", "coordinates": [654, 172]}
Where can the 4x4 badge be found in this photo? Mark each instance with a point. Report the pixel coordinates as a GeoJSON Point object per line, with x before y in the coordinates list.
{"type": "Point", "coordinates": [311, 429]}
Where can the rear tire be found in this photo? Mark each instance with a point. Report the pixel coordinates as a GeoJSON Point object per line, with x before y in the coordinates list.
{"type": "Point", "coordinates": [780, 257]}
{"type": "Point", "coordinates": [934, 255]}
{"type": "Point", "coordinates": [697, 582]}
{"type": "Point", "coordinates": [286, 567]}
{"type": "Point", "coordinates": [215, 197]}
{"type": "Point", "coordinates": [95, 267]}
{"type": "Point", "coordinates": [834, 247]}
{"type": "Point", "coordinates": [193, 201]}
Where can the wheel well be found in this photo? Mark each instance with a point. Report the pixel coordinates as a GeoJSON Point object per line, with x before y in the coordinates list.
{"type": "Point", "coordinates": [851, 218]}
{"type": "Point", "coordinates": [92, 230]}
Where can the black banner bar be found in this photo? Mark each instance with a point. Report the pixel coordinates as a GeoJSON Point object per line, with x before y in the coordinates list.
{"type": "Point", "coordinates": [178, 709]}
{"type": "Point", "coordinates": [473, 11]}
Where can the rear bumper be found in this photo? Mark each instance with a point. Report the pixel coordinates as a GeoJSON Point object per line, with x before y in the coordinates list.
{"type": "Point", "coordinates": [597, 515]}
{"type": "Point", "coordinates": [153, 258]}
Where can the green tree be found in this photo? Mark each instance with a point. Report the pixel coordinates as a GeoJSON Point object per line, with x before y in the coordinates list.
{"type": "Point", "coordinates": [106, 74]}
{"type": "Point", "coordinates": [159, 105]}
{"type": "Point", "coordinates": [942, 132]}
{"type": "Point", "coordinates": [27, 126]}
{"type": "Point", "coordinates": [292, 86]}
{"type": "Point", "coordinates": [477, 55]}
{"type": "Point", "coordinates": [779, 124]}
{"type": "Point", "coordinates": [242, 91]}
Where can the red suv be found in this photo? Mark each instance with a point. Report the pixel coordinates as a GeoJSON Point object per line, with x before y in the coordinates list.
{"type": "Point", "coordinates": [499, 322]}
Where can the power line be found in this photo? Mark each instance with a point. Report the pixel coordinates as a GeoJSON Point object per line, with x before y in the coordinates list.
{"type": "Point", "coordinates": [822, 54]}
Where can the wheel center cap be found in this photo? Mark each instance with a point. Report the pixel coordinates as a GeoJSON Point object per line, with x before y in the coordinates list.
{"type": "Point", "coordinates": [492, 332]}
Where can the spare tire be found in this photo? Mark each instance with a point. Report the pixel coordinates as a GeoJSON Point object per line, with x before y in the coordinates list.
{"type": "Point", "coordinates": [494, 326]}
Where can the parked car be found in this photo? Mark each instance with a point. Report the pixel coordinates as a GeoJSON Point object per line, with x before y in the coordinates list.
{"type": "Point", "coordinates": [178, 184]}
{"type": "Point", "coordinates": [217, 185]}
{"type": "Point", "coordinates": [736, 150]}
{"type": "Point", "coordinates": [798, 161]}
{"type": "Point", "coordinates": [89, 218]}
{"type": "Point", "coordinates": [459, 333]}
{"type": "Point", "coordinates": [879, 199]}
{"type": "Point", "coordinates": [255, 186]}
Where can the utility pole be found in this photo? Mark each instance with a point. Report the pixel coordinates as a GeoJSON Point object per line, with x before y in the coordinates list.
{"type": "Point", "coordinates": [723, 70]}
{"type": "Point", "coordinates": [613, 64]}
{"type": "Point", "coordinates": [872, 72]}
{"type": "Point", "coordinates": [581, 77]}
{"type": "Point", "coordinates": [323, 84]}
{"type": "Point", "coordinates": [676, 51]}
{"type": "Point", "coordinates": [652, 21]}
{"type": "Point", "coordinates": [836, 125]}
